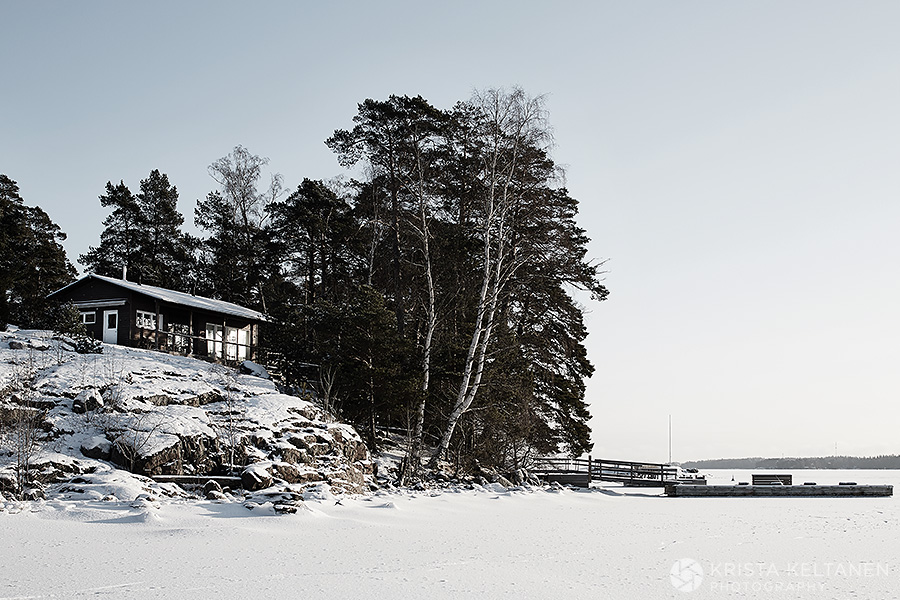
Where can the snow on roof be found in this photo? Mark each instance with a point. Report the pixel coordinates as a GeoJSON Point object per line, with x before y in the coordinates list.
{"type": "Point", "coordinates": [171, 296]}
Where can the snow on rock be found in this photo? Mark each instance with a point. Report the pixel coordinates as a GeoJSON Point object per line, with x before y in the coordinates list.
{"type": "Point", "coordinates": [97, 447]}
{"type": "Point", "coordinates": [248, 367]}
{"type": "Point", "coordinates": [256, 477]}
{"type": "Point", "coordinates": [87, 400]}
{"type": "Point", "coordinates": [159, 414]}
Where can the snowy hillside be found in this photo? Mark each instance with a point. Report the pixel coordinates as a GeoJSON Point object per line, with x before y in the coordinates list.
{"type": "Point", "coordinates": [158, 414]}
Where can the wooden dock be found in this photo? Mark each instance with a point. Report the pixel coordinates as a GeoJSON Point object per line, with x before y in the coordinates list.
{"type": "Point", "coordinates": [778, 491]}
{"type": "Point", "coordinates": [581, 472]}
{"type": "Point", "coordinates": [233, 482]}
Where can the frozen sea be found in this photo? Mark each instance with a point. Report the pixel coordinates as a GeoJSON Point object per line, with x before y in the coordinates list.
{"type": "Point", "coordinates": [608, 542]}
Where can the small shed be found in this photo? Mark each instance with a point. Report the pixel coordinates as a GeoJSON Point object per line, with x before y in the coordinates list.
{"type": "Point", "coordinates": [123, 312]}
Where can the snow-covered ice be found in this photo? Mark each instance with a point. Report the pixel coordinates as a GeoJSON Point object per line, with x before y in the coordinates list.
{"type": "Point", "coordinates": [110, 534]}
{"type": "Point", "coordinates": [608, 542]}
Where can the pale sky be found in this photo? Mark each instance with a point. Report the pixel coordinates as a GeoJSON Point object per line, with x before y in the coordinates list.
{"type": "Point", "coordinates": [737, 163]}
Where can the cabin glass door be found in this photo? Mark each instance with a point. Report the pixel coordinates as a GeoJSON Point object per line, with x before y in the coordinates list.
{"type": "Point", "coordinates": [243, 349]}
{"type": "Point", "coordinates": [214, 338]}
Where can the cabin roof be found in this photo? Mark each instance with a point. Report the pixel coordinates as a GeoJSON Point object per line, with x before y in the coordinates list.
{"type": "Point", "coordinates": [173, 297]}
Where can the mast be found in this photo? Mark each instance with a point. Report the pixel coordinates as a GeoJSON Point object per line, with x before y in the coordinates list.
{"type": "Point", "coordinates": [670, 439]}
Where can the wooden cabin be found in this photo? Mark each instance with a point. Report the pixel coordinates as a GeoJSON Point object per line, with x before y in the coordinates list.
{"type": "Point", "coordinates": [122, 312]}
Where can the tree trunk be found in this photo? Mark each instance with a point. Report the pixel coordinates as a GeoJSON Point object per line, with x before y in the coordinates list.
{"type": "Point", "coordinates": [465, 394]}
{"type": "Point", "coordinates": [415, 455]}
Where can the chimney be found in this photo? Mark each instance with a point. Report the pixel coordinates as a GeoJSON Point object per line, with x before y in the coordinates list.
{"type": "Point", "coordinates": [124, 272]}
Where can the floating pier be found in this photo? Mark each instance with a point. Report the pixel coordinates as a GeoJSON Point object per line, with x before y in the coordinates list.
{"type": "Point", "coordinates": [581, 472]}
{"type": "Point", "coordinates": [779, 491]}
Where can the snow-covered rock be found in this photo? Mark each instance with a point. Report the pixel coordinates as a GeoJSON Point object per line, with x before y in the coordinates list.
{"type": "Point", "coordinates": [86, 401]}
{"type": "Point", "coordinates": [159, 414]}
{"type": "Point", "coordinates": [256, 477]}
{"type": "Point", "coordinates": [97, 447]}
{"type": "Point", "coordinates": [248, 367]}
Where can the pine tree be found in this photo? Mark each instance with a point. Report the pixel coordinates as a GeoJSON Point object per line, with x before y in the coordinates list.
{"type": "Point", "coordinates": [34, 263]}
{"type": "Point", "coordinates": [389, 136]}
{"type": "Point", "coordinates": [122, 238]}
{"type": "Point", "coordinates": [166, 254]}
{"type": "Point", "coordinates": [400, 142]}
{"type": "Point", "coordinates": [11, 223]}
{"type": "Point", "coordinates": [313, 229]}
{"type": "Point", "coordinates": [142, 236]}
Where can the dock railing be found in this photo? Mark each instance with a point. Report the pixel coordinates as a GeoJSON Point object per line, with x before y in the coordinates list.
{"type": "Point", "coordinates": [628, 472]}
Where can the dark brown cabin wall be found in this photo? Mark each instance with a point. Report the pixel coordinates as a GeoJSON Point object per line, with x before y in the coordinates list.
{"type": "Point", "coordinates": [93, 329]}
{"type": "Point", "coordinates": [95, 290]}
{"type": "Point", "coordinates": [171, 314]}
{"type": "Point", "coordinates": [174, 314]}
{"type": "Point", "coordinates": [202, 318]}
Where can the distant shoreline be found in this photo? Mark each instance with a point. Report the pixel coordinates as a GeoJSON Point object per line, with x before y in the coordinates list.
{"type": "Point", "coordinates": [822, 462]}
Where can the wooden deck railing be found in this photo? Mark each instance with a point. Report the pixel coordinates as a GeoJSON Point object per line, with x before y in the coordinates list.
{"type": "Point", "coordinates": [636, 473]}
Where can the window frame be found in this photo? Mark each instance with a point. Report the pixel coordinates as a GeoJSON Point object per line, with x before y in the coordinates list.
{"type": "Point", "coordinates": [145, 320]}
{"type": "Point", "coordinates": [215, 340]}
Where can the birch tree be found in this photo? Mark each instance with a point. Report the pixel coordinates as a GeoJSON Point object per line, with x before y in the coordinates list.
{"type": "Point", "coordinates": [426, 136]}
{"type": "Point", "coordinates": [235, 217]}
{"type": "Point", "coordinates": [509, 127]}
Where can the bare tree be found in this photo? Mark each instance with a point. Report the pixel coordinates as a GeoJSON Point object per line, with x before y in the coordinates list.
{"type": "Point", "coordinates": [511, 127]}
{"type": "Point", "coordinates": [235, 217]}
{"type": "Point", "coordinates": [114, 381]}
{"type": "Point", "coordinates": [130, 428]}
{"type": "Point", "coordinates": [228, 428]}
{"type": "Point", "coordinates": [21, 422]}
{"type": "Point", "coordinates": [134, 435]}
{"type": "Point", "coordinates": [238, 176]}
{"type": "Point", "coordinates": [328, 376]}
{"type": "Point", "coordinates": [22, 435]}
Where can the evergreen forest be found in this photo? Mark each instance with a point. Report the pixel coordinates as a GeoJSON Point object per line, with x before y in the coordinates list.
{"type": "Point", "coordinates": [430, 293]}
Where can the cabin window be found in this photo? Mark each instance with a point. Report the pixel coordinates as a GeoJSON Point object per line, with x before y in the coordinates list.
{"type": "Point", "coordinates": [180, 343]}
{"type": "Point", "coordinates": [243, 339]}
{"type": "Point", "coordinates": [89, 318]}
{"type": "Point", "coordinates": [214, 338]}
{"type": "Point", "coordinates": [231, 346]}
{"type": "Point", "coordinates": [146, 320]}
{"type": "Point", "coordinates": [237, 343]}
